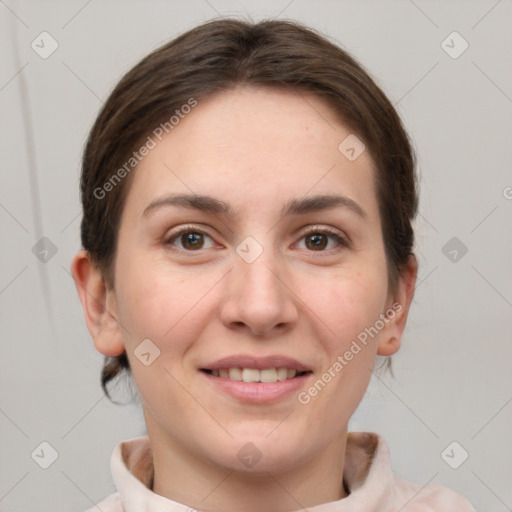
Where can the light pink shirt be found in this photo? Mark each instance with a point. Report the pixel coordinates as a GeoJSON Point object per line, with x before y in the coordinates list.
{"type": "Point", "coordinates": [367, 473]}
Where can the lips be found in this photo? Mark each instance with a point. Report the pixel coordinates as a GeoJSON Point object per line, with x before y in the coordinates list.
{"type": "Point", "coordinates": [257, 380]}
{"type": "Point", "coordinates": [250, 369]}
{"type": "Point", "coordinates": [256, 363]}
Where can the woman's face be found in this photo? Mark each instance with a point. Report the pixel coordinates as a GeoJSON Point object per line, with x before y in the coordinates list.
{"type": "Point", "coordinates": [275, 259]}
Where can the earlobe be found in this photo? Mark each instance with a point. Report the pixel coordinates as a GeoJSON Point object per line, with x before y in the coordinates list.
{"type": "Point", "coordinates": [98, 304]}
{"type": "Point", "coordinates": [388, 345]}
{"type": "Point", "coordinates": [391, 336]}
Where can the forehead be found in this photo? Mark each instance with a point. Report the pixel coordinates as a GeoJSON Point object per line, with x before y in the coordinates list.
{"type": "Point", "coordinates": [255, 147]}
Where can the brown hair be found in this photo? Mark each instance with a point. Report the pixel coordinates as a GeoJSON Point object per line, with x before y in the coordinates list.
{"type": "Point", "coordinates": [218, 56]}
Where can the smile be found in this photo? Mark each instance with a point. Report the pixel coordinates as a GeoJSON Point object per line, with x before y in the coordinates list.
{"type": "Point", "coordinates": [257, 379]}
{"type": "Point", "coordinates": [254, 375]}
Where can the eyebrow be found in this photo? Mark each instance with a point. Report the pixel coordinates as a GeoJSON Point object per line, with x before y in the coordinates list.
{"type": "Point", "coordinates": [209, 204]}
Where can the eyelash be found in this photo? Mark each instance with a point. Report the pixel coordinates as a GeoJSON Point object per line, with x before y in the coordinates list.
{"type": "Point", "coordinates": [343, 242]}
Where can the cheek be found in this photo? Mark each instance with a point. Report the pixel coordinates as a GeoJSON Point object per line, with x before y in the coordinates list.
{"type": "Point", "coordinates": [162, 304]}
{"type": "Point", "coordinates": [166, 309]}
{"type": "Point", "coordinates": [348, 303]}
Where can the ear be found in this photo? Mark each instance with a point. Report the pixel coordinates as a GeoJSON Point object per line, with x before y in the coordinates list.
{"type": "Point", "coordinates": [98, 304]}
{"type": "Point", "coordinates": [398, 310]}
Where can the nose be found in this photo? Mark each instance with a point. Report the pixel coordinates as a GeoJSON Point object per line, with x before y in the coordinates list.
{"type": "Point", "coordinates": [259, 297]}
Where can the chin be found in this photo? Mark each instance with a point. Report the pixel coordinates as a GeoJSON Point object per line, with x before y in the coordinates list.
{"type": "Point", "coordinates": [259, 455]}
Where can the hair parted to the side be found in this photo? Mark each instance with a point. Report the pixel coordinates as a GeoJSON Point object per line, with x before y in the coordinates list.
{"type": "Point", "coordinates": [218, 56]}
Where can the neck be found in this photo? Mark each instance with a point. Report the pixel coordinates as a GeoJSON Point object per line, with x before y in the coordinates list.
{"type": "Point", "coordinates": [192, 480]}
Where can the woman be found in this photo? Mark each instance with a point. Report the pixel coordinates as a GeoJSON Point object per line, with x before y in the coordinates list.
{"type": "Point", "coordinates": [248, 193]}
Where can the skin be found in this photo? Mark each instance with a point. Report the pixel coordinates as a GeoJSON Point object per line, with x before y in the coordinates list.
{"type": "Point", "coordinates": [255, 149]}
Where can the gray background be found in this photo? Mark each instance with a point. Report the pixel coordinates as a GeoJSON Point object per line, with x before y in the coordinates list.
{"type": "Point", "coordinates": [453, 374]}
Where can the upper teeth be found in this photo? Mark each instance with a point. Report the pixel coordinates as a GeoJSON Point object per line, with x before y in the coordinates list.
{"type": "Point", "coordinates": [254, 375]}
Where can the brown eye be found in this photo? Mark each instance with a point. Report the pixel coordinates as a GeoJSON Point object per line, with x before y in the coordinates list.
{"type": "Point", "coordinates": [323, 240]}
{"type": "Point", "coordinates": [189, 240]}
{"type": "Point", "coordinates": [317, 241]}
{"type": "Point", "coordinates": [192, 241]}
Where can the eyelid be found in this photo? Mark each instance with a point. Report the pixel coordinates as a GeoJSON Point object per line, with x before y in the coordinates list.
{"type": "Point", "coordinates": [169, 238]}
{"type": "Point", "coordinates": [342, 238]}
{"type": "Point", "coordinates": [319, 228]}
